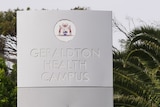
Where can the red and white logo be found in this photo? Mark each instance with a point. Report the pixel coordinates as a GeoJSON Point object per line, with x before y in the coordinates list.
{"type": "Point", "coordinates": [65, 30]}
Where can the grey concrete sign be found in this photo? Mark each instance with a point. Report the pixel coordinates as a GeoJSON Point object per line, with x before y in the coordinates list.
{"type": "Point", "coordinates": [67, 52]}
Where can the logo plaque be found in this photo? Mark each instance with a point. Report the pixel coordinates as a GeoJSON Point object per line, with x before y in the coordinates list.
{"type": "Point", "coordinates": [65, 30]}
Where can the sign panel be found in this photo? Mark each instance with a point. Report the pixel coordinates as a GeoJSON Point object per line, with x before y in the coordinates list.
{"type": "Point", "coordinates": [64, 59]}
{"type": "Point", "coordinates": [64, 48]}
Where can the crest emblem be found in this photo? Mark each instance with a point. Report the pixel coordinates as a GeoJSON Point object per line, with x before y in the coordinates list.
{"type": "Point", "coordinates": [65, 30]}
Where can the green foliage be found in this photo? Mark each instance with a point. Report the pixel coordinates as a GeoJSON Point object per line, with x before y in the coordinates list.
{"type": "Point", "coordinates": [137, 70]}
{"type": "Point", "coordinates": [8, 88]}
{"type": "Point", "coordinates": [79, 8]}
{"type": "Point", "coordinates": [8, 23]}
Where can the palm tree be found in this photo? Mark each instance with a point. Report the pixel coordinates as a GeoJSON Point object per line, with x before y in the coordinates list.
{"type": "Point", "coordinates": [137, 70]}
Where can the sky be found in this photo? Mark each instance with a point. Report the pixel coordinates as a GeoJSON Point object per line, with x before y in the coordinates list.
{"type": "Point", "coordinates": [146, 10]}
